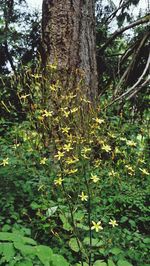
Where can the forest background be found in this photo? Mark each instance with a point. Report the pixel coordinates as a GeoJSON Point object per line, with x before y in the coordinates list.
{"type": "Point", "coordinates": [74, 177]}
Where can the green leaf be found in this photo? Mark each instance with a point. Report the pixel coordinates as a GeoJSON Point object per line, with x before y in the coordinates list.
{"type": "Point", "coordinates": [123, 263]}
{"type": "Point", "coordinates": [99, 263]}
{"type": "Point", "coordinates": [146, 240]}
{"type": "Point", "coordinates": [79, 215]}
{"type": "Point", "coordinates": [58, 260]}
{"type": "Point", "coordinates": [82, 226]}
{"type": "Point", "coordinates": [123, 219]}
{"type": "Point", "coordinates": [51, 211]}
{"type": "Point", "coordinates": [35, 206]}
{"type": "Point", "coordinates": [8, 251]}
{"type": "Point", "coordinates": [79, 264]}
{"type": "Point", "coordinates": [116, 251]}
{"type": "Point", "coordinates": [73, 244]}
{"type": "Point", "coordinates": [95, 242]}
{"type": "Point", "coordinates": [44, 254]}
{"type": "Point", "coordinates": [110, 263]}
{"type": "Point", "coordinates": [24, 263]}
{"type": "Point", "coordinates": [25, 249]}
{"type": "Point", "coordinates": [4, 236]}
{"type": "Point", "coordinates": [65, 222]}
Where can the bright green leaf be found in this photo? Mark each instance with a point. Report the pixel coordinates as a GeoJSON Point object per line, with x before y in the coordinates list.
{"type": "Point", "coordinates": [73, 244]}
{"type": "Point", "coordinates": [123, 263]}
{"type": "Point", "coordinates": [99, 263]}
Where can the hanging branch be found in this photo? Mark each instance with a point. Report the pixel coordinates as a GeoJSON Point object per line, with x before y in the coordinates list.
{"type": "Point", "coordinates": [113, 14]}
{"type": "Point", "coordinates": [134, 88]}
{"type": "Point", "coordinates": [139, 88]}
{"type": "Point", "coordinates": [120, 31]}
{"type": "Point", "coordinates": [132, 63]}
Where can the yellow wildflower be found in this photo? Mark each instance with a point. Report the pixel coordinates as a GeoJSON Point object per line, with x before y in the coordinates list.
{"type": "Point", "coordinates": [112, 173]}
{"type": "Point", "coordinates": [94, 178]}
{"type": "Point", "coordinates": [144, 171]}
{"type": "Point", "coordinates": [67, 147]}
{"type": "Point", "coordinates": [113, 223]}
{"type": "Point", "coordinates": [97, 163]}
{"type": "Point", "coordinates": [85, 150]}
{"type": "Point", "coordinates": [47, 113]}
{"type": "Point", "coordinates": [72, 171]}
{"type": "Point", "coordinates": [24, 96]}
{"type": "Point", "coordinates": [131, 143]}
{"type": "Point", "coordinates": [74, 110]}
{"type": "Point", "coordinates": [59, 155]}
{"type": "Point", "coordinates": [52, 87]}
{"type": "Point", "coordinates": [98, 120]}
{"type": "Point", "coordinates": [43, 161]}
{"type": "Point", "coordinates": [65, 129]}
{"type": "Point", "coordinates": [85, 156]}
{"type": "Point", "coordinates": [5, 162]}
{"type": "Point", "coordinates": [72, 160]}
{"type": "Point", "coordinates": [96, 226]}
{"type": "Point", "coordinates": [58, 181]}
{"type": "Point", "coordinates": [106, 148]}
{"type": "Point", "coordinates": [141, 160]}
{"type": "Point", "coordinates": [16, 145]}
{"type": "Point", "coordinates": [128, 167]}
{"type": "Point", "coordinates": [66, 113]}
{"type": "Point", "coordinates": [83, 196]}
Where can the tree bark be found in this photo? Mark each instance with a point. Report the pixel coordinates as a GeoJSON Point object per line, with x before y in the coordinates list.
{"type": "Point", "coordinates": [68, 29]}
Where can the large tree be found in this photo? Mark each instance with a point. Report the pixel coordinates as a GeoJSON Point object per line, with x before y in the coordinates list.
{"type": "Point", "coordinates": [69, 40]}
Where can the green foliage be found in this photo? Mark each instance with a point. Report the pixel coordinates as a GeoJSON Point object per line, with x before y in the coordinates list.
{"type": "Point", "coordinates": [16, 249]}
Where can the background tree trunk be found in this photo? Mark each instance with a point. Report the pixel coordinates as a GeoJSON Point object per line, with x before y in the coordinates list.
{"type": "Point", "coordinates": [68, 28]}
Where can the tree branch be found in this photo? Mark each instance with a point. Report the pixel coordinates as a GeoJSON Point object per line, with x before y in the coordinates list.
{"type": "Point", "coordinates": [134, 89]}
{"type": "Point", "coordinates": [120, 31]}
{"type": "Point", "coordinates": [113, 14]}
{"type": "Point", "coordinates": [139, 88]}
{"type": "Point", "coordinates": [132, 63]}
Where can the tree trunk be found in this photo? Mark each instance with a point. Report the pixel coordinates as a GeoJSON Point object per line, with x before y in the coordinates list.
{"type": "Point", "coordinates": [68, 28]}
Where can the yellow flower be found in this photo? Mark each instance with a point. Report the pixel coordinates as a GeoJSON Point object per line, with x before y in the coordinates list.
{"type": "Point", "coordinates": [84, 156]}
{"type": "Point", "coordinates": [16, 145]}
{"type": "Point", "coordinates": [52, 87]}
{"type": "Point", "coordinates": [94, 178]}
{"type": "Point", "coordinates": [112, 135]}
{"type": "Point", "coordinates": [85, 150]}
{"type": "Point", "coordinates": [74, 110]}
{"type": "Point", "coordinates": [47, 113]}
{"type": "Point", "coordinates": [52, 66]}
{"type": "Point", "coordinates": [144, 171]}
{"type": "Point", "coordinates": [43, 161]}
{"type": "Point", "coordinates": [131, 143]}
{"type": "Point", "coordinates": [98, 120]}
{"type": "Point", "coordinates": [106, 148]}
{"type": "Point", "coordinates": [67, 147]}
{"type": "Point", "coordinates": [128, 167]}
{"type": "Point", "coordinates": [66, 113]}
{"type": "Point", "coordinates": [5, 162]}
{"type": "Point", "coordinates": [24, 96]}
{"type": "Point", "coordinates": [65, 129]}
{"type": "Point", "coordinates": [58, 181]}
{"type": "Point", "coordinates": [83, 196]}
{"type": "Point", "coordinates": [141, 160]}
{"type": "Point", "coordinates": [72, 161]}
{"type": "Point", "coordinates": [113, 223]}
{"type": "Point", "coordinates": [97, 163]}
{"type": "Point", "coordinates": [72, 171]}
{"type": "Point", "coordinates": [96, 226]}
{"type": "Point", "coordinates": [117, 151]}
{"type": "Point", "coordinates": [112, 173]}
{"type": "Point", "coordinates": [59, 155]}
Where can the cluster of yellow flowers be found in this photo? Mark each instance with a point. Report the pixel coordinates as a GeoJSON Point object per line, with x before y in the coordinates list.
{"type": "Point", "coordinates": [98, 226]}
